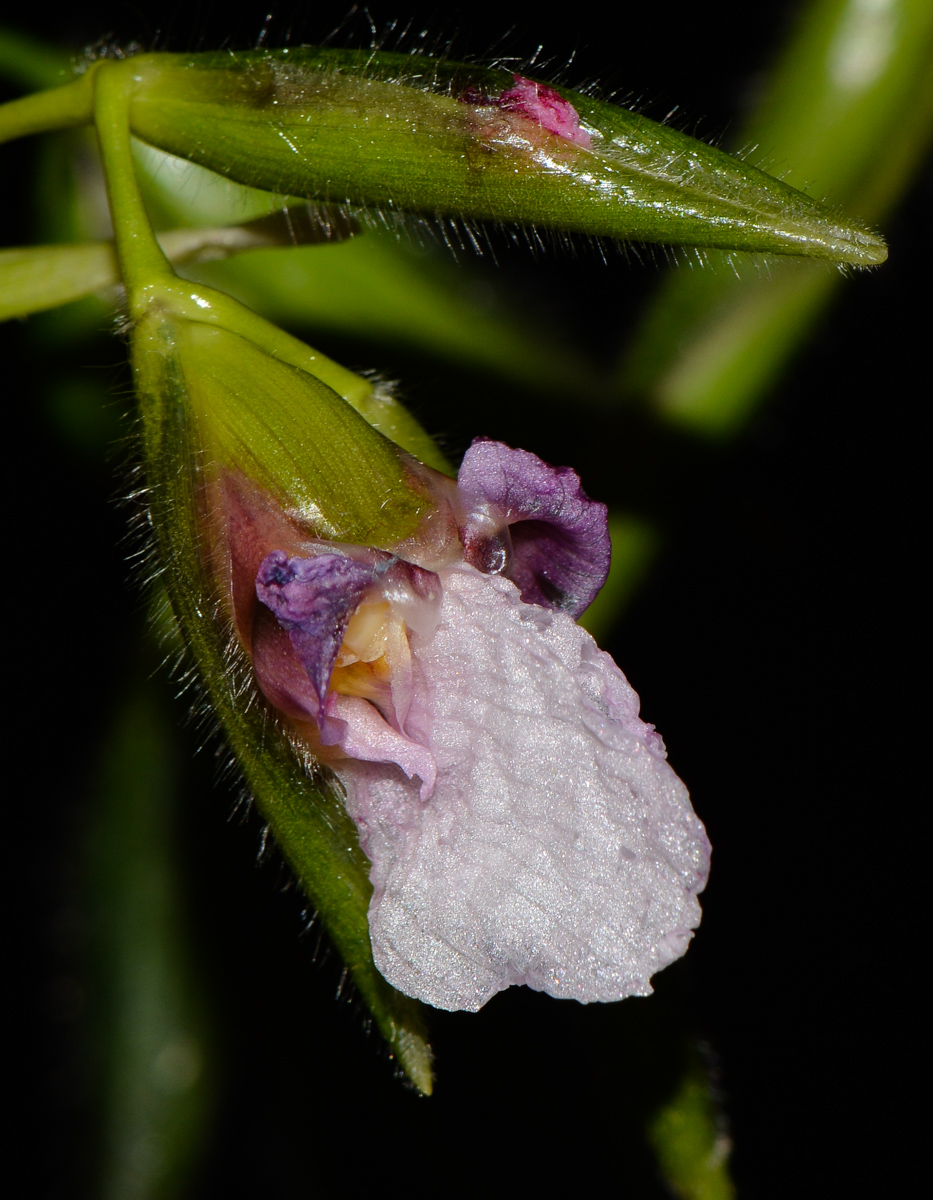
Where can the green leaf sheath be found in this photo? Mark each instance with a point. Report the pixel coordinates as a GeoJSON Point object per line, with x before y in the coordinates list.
{"type": "Point", "coordinates": [394, 131]}
{"type": "Point", "coordinates": [849, 108]}
{"type": "Point", "coordinates": [305, 810]}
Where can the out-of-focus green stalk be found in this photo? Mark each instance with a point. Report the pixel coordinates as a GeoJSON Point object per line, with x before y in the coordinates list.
{"type": "Point", "coordinates": [849, 112]}
{"type": "Point", "coordinates": [377, 287]}
{"type": "Point", "coordinates": [153, 1046]}
{"type": "Point", "coordinates": [30, 64]}
{"type": "Point", "coordinates": [688, 1139]}
{"type": "Point", "coordinates": [58, 108]}
{"type": "Point", "coordinates": [36, 278]}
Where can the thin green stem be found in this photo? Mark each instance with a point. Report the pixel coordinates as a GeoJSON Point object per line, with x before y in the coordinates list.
{"type": "Point", "coordinates": [142, 262]}
{"type": "Point", "coordinates": [148, 274]}
{"type": "Point", "coordinates": [58, 108]}
{"type": "Point", "coordinates": [30, 64]}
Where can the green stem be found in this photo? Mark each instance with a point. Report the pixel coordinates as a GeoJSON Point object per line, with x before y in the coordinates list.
{"type": "Point", "coordinates": [58, 108]}
{"type": "Point", "coordinates": [30, 64]}
{"type": "Point", "coordinates": [142, 262]}
{"type": "Point", "coordinates": [148, 274]}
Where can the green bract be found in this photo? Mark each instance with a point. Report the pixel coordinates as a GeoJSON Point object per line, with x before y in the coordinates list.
{"type": "Point", "coordinates": [407, 133]}
{"type": "Point", "coordinates": [293, 436]}
{"type": "Point", "coordinates": [396, 131]}
{"type": "Point", "coordinates": [211, 401]}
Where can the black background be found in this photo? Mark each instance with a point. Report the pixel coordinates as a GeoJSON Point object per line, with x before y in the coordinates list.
{"type": "Point", "coordinates": [776, 646]}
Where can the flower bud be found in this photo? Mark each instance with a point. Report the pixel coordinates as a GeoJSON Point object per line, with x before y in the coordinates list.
{"type": "Point", "coordinates": [416, 134]}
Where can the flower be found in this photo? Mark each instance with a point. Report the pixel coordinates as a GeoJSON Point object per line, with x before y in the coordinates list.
{"type": "Point", "coordinates": [522, 822]}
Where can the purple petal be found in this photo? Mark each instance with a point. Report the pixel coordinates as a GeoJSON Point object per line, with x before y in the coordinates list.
{"type": "Point", "coordinates": [313, 599]}
{"type": "Point", "coordinates": [559, 537]}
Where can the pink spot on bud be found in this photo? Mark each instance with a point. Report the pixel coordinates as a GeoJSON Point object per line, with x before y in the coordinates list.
{"type": "Point", "coordinates": [535, 102]}
{"type": "Point", "coordinates": [547, 108]}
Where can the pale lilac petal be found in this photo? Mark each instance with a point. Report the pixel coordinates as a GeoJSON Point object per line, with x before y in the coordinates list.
{"type": "Point", "coordinates": [313, 599]}
{"type": "Point", "coordinates": [558, 848]}
{"type": "Point", "coordinates": [546, 107]}
{"type": "Point", "coordinates": [363, 733]}
{"type": "Point", "coordinates": [559, 550]}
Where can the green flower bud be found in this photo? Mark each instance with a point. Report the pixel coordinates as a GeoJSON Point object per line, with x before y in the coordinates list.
{"type": "Point", "coordinates": [416, 134]}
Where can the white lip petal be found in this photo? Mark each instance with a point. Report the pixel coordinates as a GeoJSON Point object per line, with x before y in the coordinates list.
{"type": "Point", "coordinates": [557, 849]}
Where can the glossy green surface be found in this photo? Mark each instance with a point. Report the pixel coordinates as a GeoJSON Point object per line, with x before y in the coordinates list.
{"type": "Point", "coordinates": [395, 131]}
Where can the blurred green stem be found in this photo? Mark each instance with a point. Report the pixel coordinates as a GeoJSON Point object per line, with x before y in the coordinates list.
{"type": "Point", "coordinates": [30, 64]}
{"type": "Point", "coordinates": [849, 110]}
{"type": "Point", "coordinates": [57, 108]}
{"type": "Point", "coordinates": [689, 1139]}
{"type": "Point", "coordinates": [149, 1010]}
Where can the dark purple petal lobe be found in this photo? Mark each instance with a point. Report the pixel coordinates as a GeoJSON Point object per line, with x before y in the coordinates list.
{"type": "Point", "coordinates": [313, 599]}
{"type": "Point", "coordinates": [559, 537]}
